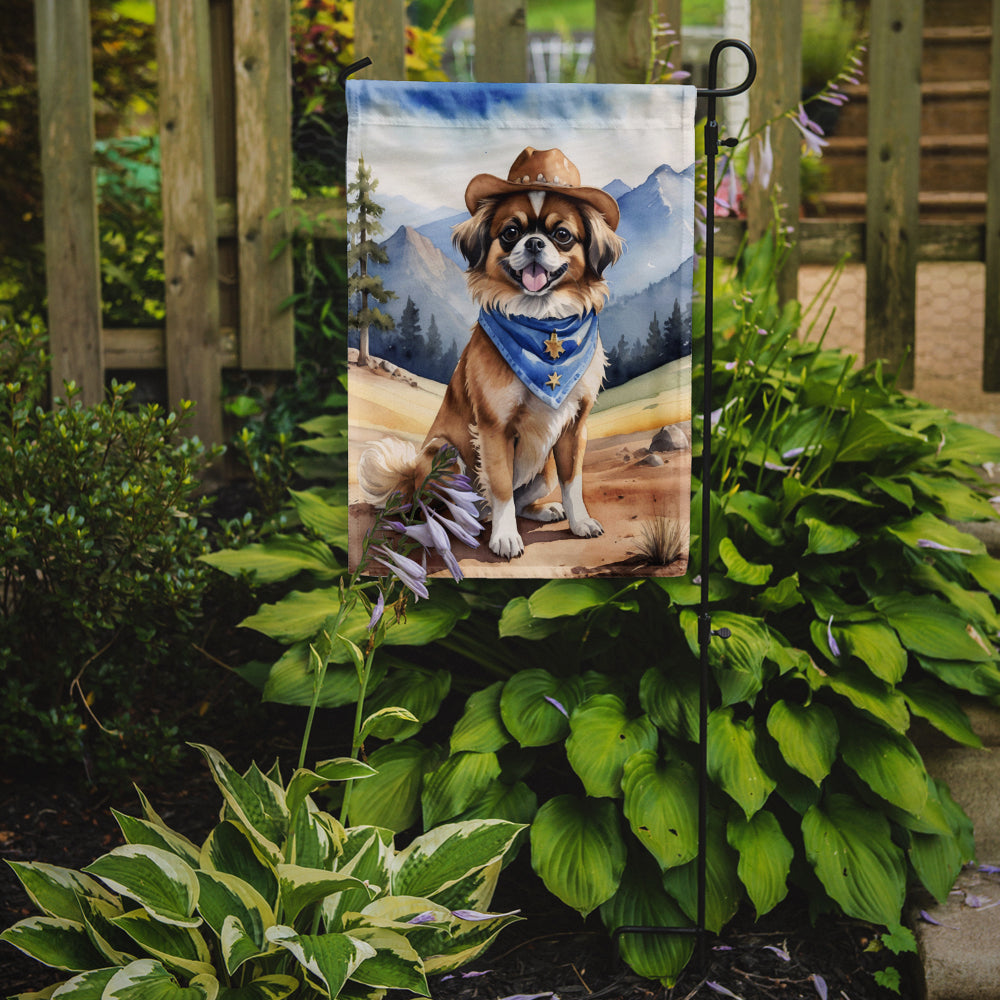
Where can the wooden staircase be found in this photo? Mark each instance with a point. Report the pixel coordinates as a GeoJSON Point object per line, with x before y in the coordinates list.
{"type": "Point", "coordinates": [955, 91]}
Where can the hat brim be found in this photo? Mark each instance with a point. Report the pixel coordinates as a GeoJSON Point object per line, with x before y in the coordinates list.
{"type": "Point", "coordinates": [486, 185]}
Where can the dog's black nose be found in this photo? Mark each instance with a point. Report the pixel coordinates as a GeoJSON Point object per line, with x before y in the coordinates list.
{"type": "Point", "coordinates": [534, 244]}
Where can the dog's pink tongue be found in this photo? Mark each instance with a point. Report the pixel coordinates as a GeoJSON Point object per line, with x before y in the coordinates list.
{"type": "Point", "coordinates": [533, 277]}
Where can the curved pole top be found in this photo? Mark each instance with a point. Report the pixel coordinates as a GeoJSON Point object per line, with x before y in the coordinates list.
{"type": "Point", "coordinates": [713, 69]}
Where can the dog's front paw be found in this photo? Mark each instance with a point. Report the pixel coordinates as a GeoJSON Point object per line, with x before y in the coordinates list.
{"type": "Point", "coordinates": [506, 546]}
{"type": "Point", "coordinates": [587, 528]}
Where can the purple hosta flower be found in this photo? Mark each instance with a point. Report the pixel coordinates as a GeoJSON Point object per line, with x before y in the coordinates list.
{"type": "Point", "coordinates": [780, 952]}
{"type": "Point", "coordinates": [834, 648]}
{"type": "Point", "coordinates": [989, 869]}
{"type": "Point", "coordinates": [820, 984]}
{"type": "Point", "coordinates": [531, 996]}
{"type": "Point", "coordinates": [719, 988]}
{"type": "Point", "coordinates": [430, 536]}
{"type": "Point", "coordinates": [927, 918]}
{"type": "Point", "coordinates": [427, 917]}
{"type": "Point", "coordinates": [377, 612]}
{"type": "Point", "coordinates": [475, 915]}
{"type": "Point", "coordinates": [927, 543]}
{"type": "Point", "coordinates": [465, 975]}
{"type": "Point", "coordinates": [811, 132]}
{"type": "Point", "coordinates": [761, 163]}
{"type": "Point", "coordinates": [728, 195]}
{"type": "Point", "coordinates": [410, 573]}
{"type": "Point", "coordinates": [558, 705]}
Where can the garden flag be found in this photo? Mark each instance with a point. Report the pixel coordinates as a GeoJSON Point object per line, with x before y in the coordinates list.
{"type": "Point", "coordinates": [521, 264]}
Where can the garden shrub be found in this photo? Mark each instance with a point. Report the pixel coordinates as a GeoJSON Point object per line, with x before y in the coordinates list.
{"type": "Point", "coordinates": [101, 584]}
{"type": "Point", "coordinates": [854, 605]}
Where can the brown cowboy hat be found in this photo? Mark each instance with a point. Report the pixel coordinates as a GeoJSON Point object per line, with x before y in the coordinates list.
{"type": "Point", "coordinates": [542, 170]}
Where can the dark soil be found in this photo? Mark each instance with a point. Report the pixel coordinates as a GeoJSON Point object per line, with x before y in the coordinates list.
{"type": "Point", "coordinates": [551, 952]}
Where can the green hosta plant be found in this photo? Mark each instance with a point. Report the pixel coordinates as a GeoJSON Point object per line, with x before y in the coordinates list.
{"type": "Point", "coordinates": [280, 899]}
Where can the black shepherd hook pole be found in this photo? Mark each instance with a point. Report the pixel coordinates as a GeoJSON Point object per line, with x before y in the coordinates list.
{"type": "Point", "coordinates": [352, 68]}
{"type": "Point", "coordinates": [705, 632]}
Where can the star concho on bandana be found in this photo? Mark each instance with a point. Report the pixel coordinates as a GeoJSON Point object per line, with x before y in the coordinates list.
{"type": "Point", "coordinates": [554, 346]}
{"type": "Point", "coordinates": [553, 381]}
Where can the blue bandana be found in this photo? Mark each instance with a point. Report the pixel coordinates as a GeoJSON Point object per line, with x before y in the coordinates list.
{"type": "Point", "coordinates": [548, 355]}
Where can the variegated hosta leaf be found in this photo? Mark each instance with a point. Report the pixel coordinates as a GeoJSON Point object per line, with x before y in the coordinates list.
{"type": "Point", "coordinates": [723, 889]}
{"type": "Point", "coordinates": [732, 760]}
{"type": "Point", "coordinates": [481, 727]}
{"type": "Point", "coordinates": [807, 736]}
{"type": "Point", "coordinates": [765, 858]}
{"type": "Point", "coordinates": [661, 805]}
{"type": "Point", "coordinates": [274, 987]}
{"type": "Point", "coordinates": [116, 946]}
{"type": "Point", "coordinates": [177, 947]}
{"type": "Point", "coordinates": [54, 941]}
{"type": "Point", "coordinates": [602, 737]}
{"type": "Point", "coordinates": [158, 880]}
{"type": "Point", "coordinates": [300, 887]}
{"type": "Point", "coordinates": [395, 964]}
{"type": "Point", "coordinates": [147, 979]}
{"type": "Point", "coordinates": [56, 891]}
{"type": "Point", "coordinates": [456, 784]}
{"type": "Point", "coordinates": [888, 763]}
{"type": "Point", "coordinates": [304, 782]}
{"type": "Point", "coordinates": [475, 891]}
{"type": "Point", "coordinates": [256, 801]}
{"type": "Point", "coordinates": [535, 706]}
{"type": "Point", "coordinates": [441, 857]}
{"type": "Point", "coordinates": [850, 847]}
{"type": "Point", "coordinates": [315, 838]}
{"type": "Point", "coordinates": [329, 959]}
{"type": "Point", "coordinates": [578, 851]}
{"type": "Point", "coordinates": [467, 941]}
{"type": "Point", "coordinates": [367, 853]}
{"type": "Point", "coordinates": [224, 898]}
{"type": "Point", "coordinates": [86, 986]}
{"type": "Point", "coordinates": [230, 849]}
{"type": "Point", "coordinates": [642, 902]}
{"type": "Point", "coordinates": [141, 831]}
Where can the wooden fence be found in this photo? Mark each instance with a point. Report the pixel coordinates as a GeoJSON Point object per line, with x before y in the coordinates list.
{"type": "Point", "coordinates": [226, 161]}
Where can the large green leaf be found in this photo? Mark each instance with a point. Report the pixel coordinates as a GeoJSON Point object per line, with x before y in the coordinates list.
{"type": "Point", "coordinates": [304, 782]}
{"type": "Point", "coordinates": [516, 803]}
{"type": "Point", "coordinates": [440, 858]}
{"type": "Point", "coordinates": [924, 528]}
{"type": "Point", "coordinates": [765, 858]}
{"type": "Point", "coordinates": [866, 692]}
{"type": "Point", "coordinates": [54, 941]}
{"type": "Point", "coordinates": [481, 728]}
{"type": "Point", "coordinates": [956, 500]}
{"type": "Point", "coordinates": [851, 850]}
{"type": "Point", "coordinates": [732, 760]}
{"type": "Point", "coordinates": [932, 628]}
{"type": "Point", "coordinates": [738, 661]}
{"type": "Point", "coordinates": [559, 598]}
{"type": "Point", "coordinates": [807, 736]}
{"type": "Point", "coordinates": [641, 901]}
{"type": "Point", "coordinates": [147, 979]}
{"type": "Point", "coordinates": [578, 851]}
{"type": "Point", "coordinates": [56, 891]}
{"type": "Point", "coordinates": [535, 706]}
{"type": "Point", "coordinates": [280, 557]}
{"type": "Point", "coordinates": [941, 709]}
{"type": "Point", "coordinates": [391, 798]}
{"type": "Point", "coordinates": [888, 763]}
{"type": "Point", "coordinates": [661, 806]}
{"type": "Point", "coordinates": [291, 680]}
{"type": "Point", "coordinates": [602, 738]}
{"type": "Point", "coordinates": [517, 620]}
{"type": "Point", "coordinates": [329, 959]}
{"type": "Point", "coordinates": [416, 689]}
{"type": "Point", "coordinates": [976, 678]}
{"type": "Point", "coordinates": [871, 435]}
{"type": "Point", "coordinates": [164, 885]}
{"type": "Point", "coordinates": [739, 569]}
{"type": "Point", "coordinates": [671, 699]}
{"type": "Point", "coordinates": [327, 520]}
{"type": "Point", "coordinates": [828, 539]}
{"type": "Point", "coordinates": [456, 784]}
{"type": "Point", "coordinates": [876, 646]}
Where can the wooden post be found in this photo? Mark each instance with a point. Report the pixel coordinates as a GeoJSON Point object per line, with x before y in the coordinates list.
{"type": "Point", "coordinates": [893, 183]}
{"type": "Point", "coordinates": [72, 255]}
{"type": "Point", "coordinates": [776, 35]}
{"type": "Point", "coordinates": [262, 60]}
{"type": "Point", "coordinates": [190, 254]}
{"type": "Point", "coordinates": [380, 34]}
{"type": "Point", "coordinates": [991, 332]}
{"type": "Point", "coordinates": [501, 41]}
{"type": "Point", "coordinates": [623, 37]}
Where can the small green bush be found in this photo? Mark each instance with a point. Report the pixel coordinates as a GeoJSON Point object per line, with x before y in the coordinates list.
{"type": "Point", "coordinates": [99, 578]}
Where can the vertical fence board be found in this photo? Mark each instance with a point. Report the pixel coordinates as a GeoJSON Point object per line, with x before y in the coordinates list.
{"type": "Point", "coordinates": [991, 332]}
{"type": "Point", "coordinates": [261, 56]}
{"type": "Point", "coordinates": [622, 39]}
{"type": "Point", "coordinates": [501, 41]}
{"type": "Point", "coordinates": [893, 184]}
{"type": "Point", "coordinates": [380, 34]}
{"type": "Point", "coordinates": [190, 254]}
{"type": "Point", "coordinates": [72, 257]}
{"type": "Point", "coordinates": [776, 35]}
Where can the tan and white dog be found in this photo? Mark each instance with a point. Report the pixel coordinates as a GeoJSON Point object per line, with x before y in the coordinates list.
{"type": "Point", "coordinates": [515, 409]}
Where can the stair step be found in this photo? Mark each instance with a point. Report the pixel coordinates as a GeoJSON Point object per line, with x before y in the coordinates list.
{"type": "Point", "coordinates": [956, 53]}
{"type": "Point", "coordinates": [953, 205]}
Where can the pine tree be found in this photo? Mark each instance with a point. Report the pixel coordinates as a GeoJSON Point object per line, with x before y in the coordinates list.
{"type": "Point", "coordinates": [654, 343]}
{"type": "Point", "coordinates": [362, 231]}
{"type": "Point", "coordinates": [673, 334]}
{"type": "Point", "coordinates": [410, 341]}
{"type": "Point", "coordinates": [433, 351]}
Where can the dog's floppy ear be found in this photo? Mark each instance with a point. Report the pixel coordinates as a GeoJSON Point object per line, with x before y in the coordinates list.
{"type": "Point", "coordinates": [604, 245]}
{"type": "Point", "coordinates": [472, 237]}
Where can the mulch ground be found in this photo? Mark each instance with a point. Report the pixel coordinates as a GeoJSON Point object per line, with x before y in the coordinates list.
{"type": "Point", "coordinates": [550, 953]}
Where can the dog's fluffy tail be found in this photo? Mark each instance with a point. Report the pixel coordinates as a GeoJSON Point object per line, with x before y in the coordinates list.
{"type": "Point", "coordinates": [388, 466]}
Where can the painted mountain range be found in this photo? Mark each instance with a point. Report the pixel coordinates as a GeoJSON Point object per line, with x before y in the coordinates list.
{"type": "Point", "coordinates": [650, 277]}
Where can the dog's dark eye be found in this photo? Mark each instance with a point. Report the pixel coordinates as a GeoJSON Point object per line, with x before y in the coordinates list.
{"type": "Point", "coordinates": [510, 234]}
{"type": "Point", "coordinates": [563, 236]}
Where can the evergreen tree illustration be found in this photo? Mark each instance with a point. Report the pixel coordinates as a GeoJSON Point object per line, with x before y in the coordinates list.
{"type": "Point", "coordinates": [363, 228]}
{"type": "Point", "coordinates": [410, 342]}
{"type": "Point", "coordinates": [674, 329]}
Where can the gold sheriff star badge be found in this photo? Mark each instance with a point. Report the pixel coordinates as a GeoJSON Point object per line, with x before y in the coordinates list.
{"type": "Point", "coordinates": [553, 381]}
{"type": "Point", "coordinates": [554, 346]}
